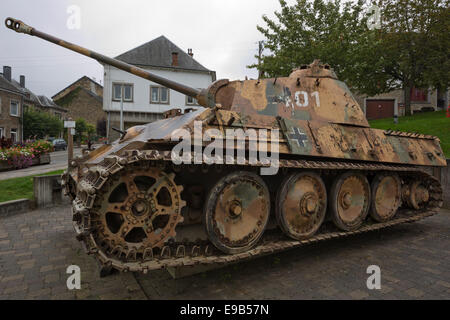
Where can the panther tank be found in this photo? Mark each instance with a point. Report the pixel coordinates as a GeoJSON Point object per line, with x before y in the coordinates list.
{"type": "Point", "coordinates": [262, 166]}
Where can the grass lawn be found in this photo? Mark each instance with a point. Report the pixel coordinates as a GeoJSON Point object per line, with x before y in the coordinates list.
{"type": "Point", "coordinates": [19, 188]}
{"type": "Point", "coordinates": [434, 123]}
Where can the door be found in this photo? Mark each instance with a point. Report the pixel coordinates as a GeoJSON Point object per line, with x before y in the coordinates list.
{"type": "Point", "coordinates": [377, 109]}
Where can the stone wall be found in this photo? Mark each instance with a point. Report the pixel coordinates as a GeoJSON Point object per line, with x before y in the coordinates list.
{"type": "Point", "coordinates": [81, 103]}
{"type": "Point", "coordinates": [8, 122]}
{"type": "Point", "coordinates": [14, 206]}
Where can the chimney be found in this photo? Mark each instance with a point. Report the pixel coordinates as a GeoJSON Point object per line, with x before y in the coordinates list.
{"type": "Point", "coordinates": [22, 81]}
{"type": "Point", "coordinates": [174, 59]}
{"type": "Point", "coordinates": [190, 52]}
{"type": "Point", "coordinates": [7, 73]}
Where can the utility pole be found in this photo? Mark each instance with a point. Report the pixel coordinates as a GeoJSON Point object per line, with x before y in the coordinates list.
{"type": "Point", "coordinates": [121, 106]}
{"type": "Point", "coordinates": [70, 125]}
{"type": "Point", "coordinates": [260, 51]}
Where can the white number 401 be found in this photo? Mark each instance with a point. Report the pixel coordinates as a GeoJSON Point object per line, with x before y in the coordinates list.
{"type": "Point", "coordinates": [305, 99]}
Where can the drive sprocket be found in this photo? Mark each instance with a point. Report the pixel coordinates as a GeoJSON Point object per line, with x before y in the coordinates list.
{"type": "Point", "coordinates": [136, 211]}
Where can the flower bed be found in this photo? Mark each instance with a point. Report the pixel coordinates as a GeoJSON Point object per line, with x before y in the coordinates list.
{"type": "Point", "coordinates": [25, 155]}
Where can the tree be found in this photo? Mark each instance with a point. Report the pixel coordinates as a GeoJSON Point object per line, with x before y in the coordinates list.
{"type": "Point", "coordinates": [40, 124]}
{"type": "Point", "coordinates": [416, 42]}
{"type": "Point", "coordinates": [410, 48]}
{"type": "Point", "coordinates": [80, 129]}
{"type": "Point", "coordinates": [333, 31]}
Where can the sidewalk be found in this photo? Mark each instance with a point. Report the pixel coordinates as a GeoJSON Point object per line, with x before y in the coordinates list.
{"type": "Point", "coordinates": [37, 247]}
{"type": "Point", "coordinates": [31, 171]}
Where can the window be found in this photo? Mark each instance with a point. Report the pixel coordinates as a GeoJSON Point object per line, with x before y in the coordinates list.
{"type": "Point", "coordinates": [2, 133]}
{"type": "Point", "coordinates": [14, 109]}
{"type": "Point", "coordinates": [159, 95]}
{"type": "Point", "coordinates": [127, 90]}
{"type": "Point", "coordinates": [0, 109]}
{"type": "Point", "coordinates": [58, 115]}
{"type": "Point", "coordinates": [191, 101]}
{"type": "Point", "coordinates": [14, 135]}
{"type": "Point", "coordinates": [419, 94]}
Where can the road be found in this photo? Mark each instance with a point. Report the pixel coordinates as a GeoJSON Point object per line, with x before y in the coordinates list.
{"type": "Point", "coordinates": [58, 161]}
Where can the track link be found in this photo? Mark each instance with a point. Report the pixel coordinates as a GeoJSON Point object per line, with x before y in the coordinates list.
{"type": "Point", "coordinates": [204, 253]}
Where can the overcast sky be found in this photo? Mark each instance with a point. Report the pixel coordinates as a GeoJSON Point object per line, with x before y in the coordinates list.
{"type": "Point", "coordinates": [222, 34]}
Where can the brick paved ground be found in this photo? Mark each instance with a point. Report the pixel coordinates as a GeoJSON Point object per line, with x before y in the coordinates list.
{"type": "Point", "coordinates": [37, 247]}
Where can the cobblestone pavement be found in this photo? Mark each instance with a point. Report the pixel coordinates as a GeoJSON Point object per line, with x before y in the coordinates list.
{"type": "Point", "coordinates": [37, 247]}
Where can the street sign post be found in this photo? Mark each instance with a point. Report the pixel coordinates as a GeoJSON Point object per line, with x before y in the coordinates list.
{"type": "Point", "coordinates": [70, 125]}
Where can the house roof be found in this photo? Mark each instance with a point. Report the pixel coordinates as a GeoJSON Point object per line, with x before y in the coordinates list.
{"type": "Point", "coordinates": [41, 100]}
{"type": "Point", "coordinates": [7, 85]}
{"type": "Point", "coordinates": [48, 103]}
{"type": "Point", "coordinates": [29, 95]}
{"type": "Point", "coordinates": [83, 77]}
{"type": "Point", "coordinates": [158, 53]}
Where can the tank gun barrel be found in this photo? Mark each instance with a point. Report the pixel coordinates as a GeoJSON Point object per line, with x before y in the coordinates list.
{"type": "Point", "coordinates": [21, 27]}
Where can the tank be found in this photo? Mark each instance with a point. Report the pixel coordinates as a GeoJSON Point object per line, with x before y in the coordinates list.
{"type": "Point", "coordinates": [300, 164]}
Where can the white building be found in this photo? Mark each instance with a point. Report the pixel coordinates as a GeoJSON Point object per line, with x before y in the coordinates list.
{"type": "Point", "coordinates": [145, 101]}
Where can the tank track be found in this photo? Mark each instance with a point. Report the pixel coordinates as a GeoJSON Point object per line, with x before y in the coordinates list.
{"type": "Point", "coordinates": [177, 254]}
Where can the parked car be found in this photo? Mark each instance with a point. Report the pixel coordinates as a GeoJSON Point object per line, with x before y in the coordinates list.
{"type": "Point", "coordinates": [59, 144]}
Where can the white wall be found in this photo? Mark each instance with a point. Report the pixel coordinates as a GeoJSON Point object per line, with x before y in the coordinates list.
{"type": "Point", "coordinates": [141, 98]}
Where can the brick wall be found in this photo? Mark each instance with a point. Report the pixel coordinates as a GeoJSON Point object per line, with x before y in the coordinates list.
{"type": "Point", "coordinates": [84, 82]}
{"type": "Point", "coordinates": [8, 122]}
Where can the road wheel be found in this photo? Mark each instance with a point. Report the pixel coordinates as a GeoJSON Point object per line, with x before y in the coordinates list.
{"type": "Point", "coordinates": [236, 212]}
{"type": "Point", "coordinates": [386, 196]}
{"type": "Point", "coordinates": [301, 204]}
{"type": "Point", "coordinates": [349, 200]}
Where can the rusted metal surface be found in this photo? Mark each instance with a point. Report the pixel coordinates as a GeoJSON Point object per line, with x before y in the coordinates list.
{"type": "Point", "coordinates": [349, 200]}
{"type": "Point", "coordinates": [131, 213]}
{"type": "Point", "coordinates": [236, 211]}
{"type": "Point", "coordinates": [386, 196]}
{"type": "Point", "coordinates": [301, 204]}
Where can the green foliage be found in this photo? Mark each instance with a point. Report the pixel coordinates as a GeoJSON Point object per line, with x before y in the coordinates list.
{"type": "Point", "coordinates": [90, 129]}
{"type": "Point", "coordinates": [433, 123]}
{"type": "Point", "coordinates": [68, 98]}
{"type": "Point", "coordinates": [412, 46]}
{"type": "Point", "coordinates": [80, 129]}
{"type": "Point", "coordinates": [84, 130]}
{"type": "Point", "coordinates": [416, 41]}
{"type": "Point", "coordinates": [40, 124]}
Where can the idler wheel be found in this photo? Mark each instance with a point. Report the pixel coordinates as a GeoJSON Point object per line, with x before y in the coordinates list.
{"type": "Point", "coordinates": [386, 196]}
{"type": "Point", "coordinates": [301, 204]}
{"type": "Point", "coordinates": [349, 200]}
{"type": "Point", "coordinates": [138, 210]}
{"type": "Point", "coordinates": [236, 212]}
